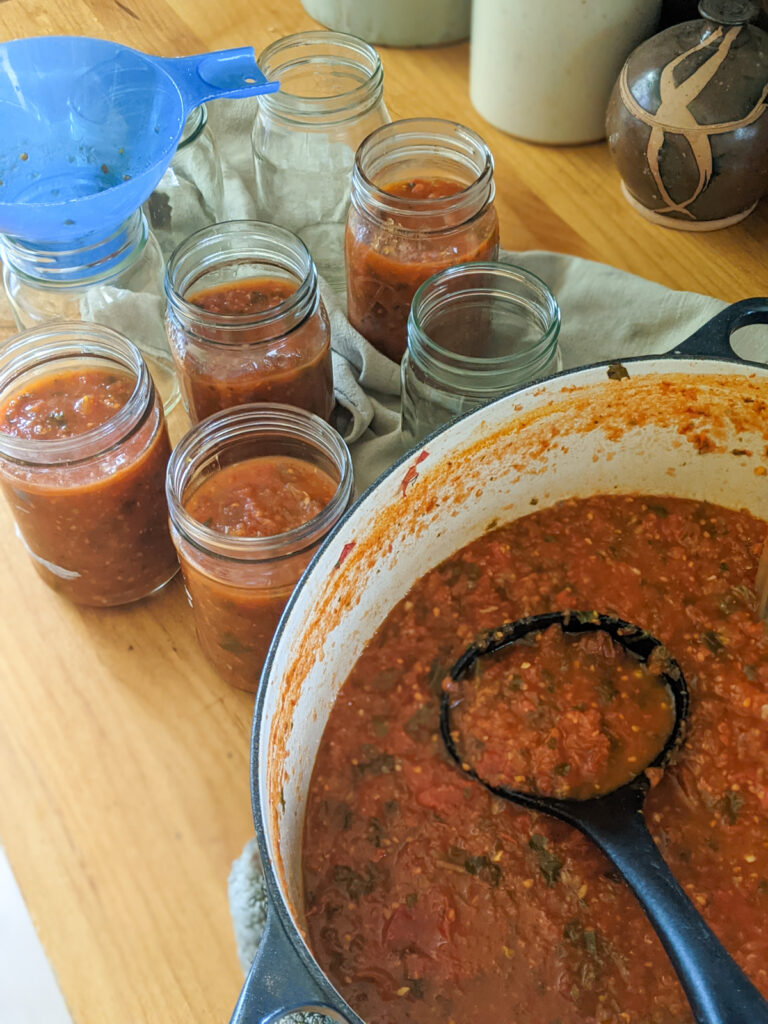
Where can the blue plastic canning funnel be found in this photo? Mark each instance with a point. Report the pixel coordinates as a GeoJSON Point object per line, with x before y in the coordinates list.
{"type": "Point", "coordinates": [90, 126]}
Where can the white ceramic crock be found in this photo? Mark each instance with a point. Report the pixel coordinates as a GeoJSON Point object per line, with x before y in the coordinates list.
{"type": "Point", "coordinates": [544, 71]}
{"type": "Point", "coordinates": [689, 427]}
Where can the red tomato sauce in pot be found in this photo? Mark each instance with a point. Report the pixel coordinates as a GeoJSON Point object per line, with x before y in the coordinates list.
{"type": "Point", "coordinates": [237, 610]}
{"type": "Point", "coordinates": [236, 364]}
{"type": "Point", "coordinates": [96, 528]}
{"type": "Point", "coordinates": [561, 715]}
{"type": "Point", "coordinates": [430, 900]}
{"type": "Point", "coordinates": [386, 263]}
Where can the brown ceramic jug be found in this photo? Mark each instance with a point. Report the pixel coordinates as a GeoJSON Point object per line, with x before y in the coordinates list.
{"type": "Point", "coordinates": [687, 122]}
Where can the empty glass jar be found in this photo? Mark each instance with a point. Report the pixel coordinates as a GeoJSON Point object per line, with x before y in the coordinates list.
{"type": "Point", "coordinates": [116, 281]}
{"type": "Point", "coordinates": [189, 195]}
{"type": "Point", "coordinates": [475, 332]}
{"type": "Point", "coordinates": [305, 136]}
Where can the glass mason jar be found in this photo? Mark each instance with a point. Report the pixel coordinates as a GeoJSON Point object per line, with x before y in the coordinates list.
{"type": "Point", "coordinates": [189, 196]}
{"type": "Point", "coordinates": [422, 200]}
{"type": "Point", "coordinates": [89, 506]}
{"type": "Point", "coordinates": [305, 136]}
{"type": "Point", "coordinates": [475, 332]}
{"type": "Point", "coordinates": [116, 281]}
{"type": "Point", "coordinates": [245, 320]}
{"type": "Point", "coordinates": [238, 585]}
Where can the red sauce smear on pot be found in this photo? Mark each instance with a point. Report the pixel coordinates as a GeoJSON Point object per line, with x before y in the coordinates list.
{"type": "Point", "coordinates": [97, 529]}
{"type": "Point", "coordinates": [430, 900]}
{"type": "Point", "coordinates": [230, 364]}
{"type": "Point", "coordinates": [387, 262]}
{"type": "Point", "coordinates": [237, 608]}
{"type": "Point", "coordinates": [561, 715]}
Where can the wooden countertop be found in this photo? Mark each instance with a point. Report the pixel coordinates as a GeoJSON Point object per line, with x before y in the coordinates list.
{"type": "Point", "coordinates": [123, 758]}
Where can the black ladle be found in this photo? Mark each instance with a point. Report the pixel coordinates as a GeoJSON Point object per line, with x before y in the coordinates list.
{"type": "Point", "coordinates": [717, 989]}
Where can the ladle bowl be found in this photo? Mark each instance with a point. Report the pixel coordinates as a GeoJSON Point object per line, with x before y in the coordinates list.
{"type": "Point", "coordinates": [90, 126]}
{"type": "Point", "coordinates": [717, 989]}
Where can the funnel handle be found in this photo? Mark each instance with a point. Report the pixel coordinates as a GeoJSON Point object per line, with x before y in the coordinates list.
{"type": "Point", "coordinates": [218, 75]}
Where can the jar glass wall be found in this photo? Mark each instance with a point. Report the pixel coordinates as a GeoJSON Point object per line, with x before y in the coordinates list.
{"type": "Point", "coordinates": [305, 136]}
{"type": "Point", "coordinates": [245, 320]}
{"type": "Point", "coordinates": [422, 200]}
{"type": "Point", "coordinates": [475, 332]}
{"type": "Point", "coordinates": [83, 454]}
{"type": "Point", "coordinates": [115, 281]}
{"type": "Point", "coordinates": [189, 196]}
{"type": "Point", "coordinates": [238, 584]}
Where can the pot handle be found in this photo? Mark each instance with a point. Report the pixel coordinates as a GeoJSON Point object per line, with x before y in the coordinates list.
{"type": "Point", "coordinates": [714, 338]}
{"type": "Point", "coordinates": [279, 983]}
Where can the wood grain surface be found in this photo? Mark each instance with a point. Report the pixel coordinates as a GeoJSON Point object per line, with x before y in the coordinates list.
{"type": "Point", "coordinates": [123, 758]}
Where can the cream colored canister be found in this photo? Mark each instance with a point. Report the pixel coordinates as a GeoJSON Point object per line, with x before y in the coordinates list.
{"type": "Point", "coordinates": [395, 22]}
{"type": "Point", "coordinates": [544, 69]}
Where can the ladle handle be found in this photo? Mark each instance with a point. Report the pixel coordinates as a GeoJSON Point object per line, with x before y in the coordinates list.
{"type": "Point", "coordinates": [713, 339]}
{"type": "Point", "coordinates": [213, 76]}
{"type": "Point", "coordinates": [718, 990]}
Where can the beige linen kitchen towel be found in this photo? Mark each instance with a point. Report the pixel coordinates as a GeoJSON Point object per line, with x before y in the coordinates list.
{"type": "Point", "coordinates": [606, 314]}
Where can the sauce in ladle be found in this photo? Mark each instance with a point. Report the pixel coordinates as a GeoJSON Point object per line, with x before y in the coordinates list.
{"type": "Point", "coordinates": [562, 715]}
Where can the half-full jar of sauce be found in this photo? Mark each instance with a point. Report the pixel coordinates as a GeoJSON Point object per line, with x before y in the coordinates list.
{"type": "Point", "coordinates": [422, 200]}
{"type": "Point", "coordinates": [252, 492]}
{"type": "Point", "coordinates": [245, 320]}
{"type": "Point", "coordinates": [83, 455]}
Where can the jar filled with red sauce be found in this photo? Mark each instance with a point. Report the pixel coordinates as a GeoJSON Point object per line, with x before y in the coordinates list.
{"type": "Point", "coordinates": [245, 320]}
{"type": "Point", "coordinates": [252, 493]}
{"type": "Point", "coordinates": [83, 454]}
{"type": "Point", "coordinates": [422, 200]}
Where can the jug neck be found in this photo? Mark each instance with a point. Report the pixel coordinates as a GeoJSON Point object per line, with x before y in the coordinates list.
{"type": "Point", "coordinates": [82, 261]}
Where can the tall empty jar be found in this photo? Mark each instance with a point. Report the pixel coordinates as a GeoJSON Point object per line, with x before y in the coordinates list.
{"type": "Point", "coordinates": [544, 71]}
{"type": "Point", "coordinates": [305, 136]}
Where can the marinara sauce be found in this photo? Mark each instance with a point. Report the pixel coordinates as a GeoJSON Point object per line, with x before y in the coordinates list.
{"type": "Point", "coordinates": [401, 230]}
{"type": "Point", "coordinates": [248, 329]}
{"type": "Point", "coordinates": [83, 453]}
{"type": "Point", "coordinates": [430, 900]}
{"type": "Point", "coordinates": [558, 715]}
{"type": "Point", "coordinates": [252, 492]}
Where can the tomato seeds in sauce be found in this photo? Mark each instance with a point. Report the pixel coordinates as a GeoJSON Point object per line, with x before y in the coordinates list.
{"type": "Point", "coordinates": [428, 899]}
{"type": "Point", "coordinates": [261, 497]}
{"type": "Point", "coordinates": [282, 358]}
{"type": "Point", "coordinates": [385, 263]}
{"type": "Point", "coordinates": [561, 715]}
{"type": "Point", "coordinates": [97, 527]}
{"type": "Point", "coordinates": [237, 611]}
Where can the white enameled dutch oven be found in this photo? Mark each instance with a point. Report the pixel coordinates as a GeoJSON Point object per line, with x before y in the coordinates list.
{"type": "Point", "coordinates": [693, 424]}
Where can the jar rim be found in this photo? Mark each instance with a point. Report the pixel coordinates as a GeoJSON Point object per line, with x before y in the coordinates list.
{"type": "Point", "coordinates": [336, 108]}
{"type": "Point", "coordinates": [194, 126]}
{"type": "Point", "coordinates": [440, 136]}
{"type": "Point", "coordinates": [255, 234]}
{"type": "Point", "coordinates": [66, 340]}
{"type": "Point", "coordinates": [432, 296]}
{"type": "Point", "coordinates": [207, 439]}
{"type": "Point", "coordinates": [60, 266]}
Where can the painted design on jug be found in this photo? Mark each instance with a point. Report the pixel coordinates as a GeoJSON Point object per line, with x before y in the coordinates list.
{"type": "Point", "coordinates": [674, 115]}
